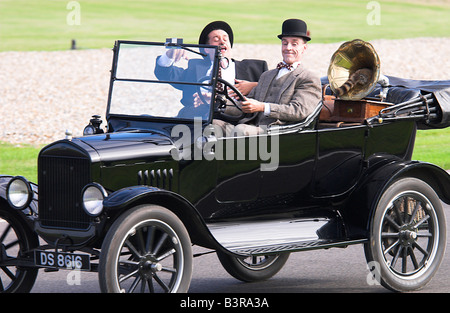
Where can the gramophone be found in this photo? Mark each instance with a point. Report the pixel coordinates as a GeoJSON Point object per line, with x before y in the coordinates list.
{"type": "Point", "coordinates": [353, 73]}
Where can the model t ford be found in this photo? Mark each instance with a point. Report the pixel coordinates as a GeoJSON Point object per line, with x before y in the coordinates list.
{"type": "Point", "coordinates": [130, 201]}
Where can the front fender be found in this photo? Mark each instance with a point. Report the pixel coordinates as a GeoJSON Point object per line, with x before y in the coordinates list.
{"type": "Point", "coordinates": [4, 180]}
{"type": "Point", "coordinates": [28, 214]}
{"type": "Point", "coordinates": [120, 201]}
{"type": "Point", "coordinates": [123, 198]}
{"type": "Point", "coordinates": [359, 208]}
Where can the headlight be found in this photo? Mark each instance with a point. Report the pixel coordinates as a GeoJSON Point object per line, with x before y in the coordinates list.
{"type": "Point", "coordinates": [93, 195]}
{"type": "Point", "coordinates": [19, 193]}
{"type": "Point", "coordinates": [94, 126]}
{"type": "Point", "coordinates": [89, 130]}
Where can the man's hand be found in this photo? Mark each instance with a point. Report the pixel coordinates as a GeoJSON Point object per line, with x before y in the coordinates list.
{"type": "Point", "coordinates": [244, 86]}
{"type": "Point", "coordinates": [176, 54]}
{"type": "Point", "coordinates": [252, 106]}
{"type": "Point", "coordinates": [198, 100]}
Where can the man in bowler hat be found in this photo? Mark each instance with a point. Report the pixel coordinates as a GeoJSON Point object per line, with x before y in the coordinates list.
{"type": "Point", "coordinates": [244, 75]}
{"type": "Point", "coordinates": [287, 94]}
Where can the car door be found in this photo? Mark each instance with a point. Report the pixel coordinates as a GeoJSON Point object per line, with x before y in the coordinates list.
{"type": "Point", "coordinates": [340, 157]}
{"type": "Point", "coordinates": [266, 170]}
{"type": "Point", "coordinates": [290, 177]}
{"type": "Point", "coordinates": [238, 169]}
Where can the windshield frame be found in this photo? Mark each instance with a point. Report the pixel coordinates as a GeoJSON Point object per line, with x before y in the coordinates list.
{"type": "Point", "coordinates": [189, 47]}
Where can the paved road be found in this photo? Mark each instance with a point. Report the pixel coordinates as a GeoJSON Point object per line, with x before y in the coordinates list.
{"type": "Point", "coordinates": [334, 270]}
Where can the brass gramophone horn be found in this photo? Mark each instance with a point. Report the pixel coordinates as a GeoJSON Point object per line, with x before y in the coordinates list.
{"type": "Point", "coordinates": [354, 70]}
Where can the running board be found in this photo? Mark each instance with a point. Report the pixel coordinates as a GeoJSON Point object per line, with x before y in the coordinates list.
{"type": "Point", "coordinates": [265, 237]}
{"type": "Point", "coordinates": [296, 246]}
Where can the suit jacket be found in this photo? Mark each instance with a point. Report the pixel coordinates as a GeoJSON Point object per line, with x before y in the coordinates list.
{"type": "Point", "coordinates": [247, 69]}
{"type": "Point", "coordinates": [296, 98]}
{"type": "Point", "coordinates": [250, 69]}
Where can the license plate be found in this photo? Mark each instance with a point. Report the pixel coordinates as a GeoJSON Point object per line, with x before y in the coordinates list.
{"type": "Point", "coordinates": [62, 260]}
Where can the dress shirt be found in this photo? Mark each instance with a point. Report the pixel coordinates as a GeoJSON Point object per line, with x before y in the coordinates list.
{"type": "Point", "coordinates": [281, 72]}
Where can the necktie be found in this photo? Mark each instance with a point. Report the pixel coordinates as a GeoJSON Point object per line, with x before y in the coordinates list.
{"type": "Point", "coordinates": [284, 65]}
{"type": "Point", "coordinates": [219, 86]}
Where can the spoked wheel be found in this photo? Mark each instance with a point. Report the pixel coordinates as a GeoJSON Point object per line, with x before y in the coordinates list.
{"type": "Point", "coordinates": [253, 268]}
{"type": "Point", "coordinates": [408, 236]}
{"type": "Point", "coordinates": [16, 242]}
{"type": "Point", "coordinates": [146, 250]}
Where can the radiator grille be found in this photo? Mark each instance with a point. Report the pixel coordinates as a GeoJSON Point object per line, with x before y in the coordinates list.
{"type": "Point", "coordinates": [61, 180]}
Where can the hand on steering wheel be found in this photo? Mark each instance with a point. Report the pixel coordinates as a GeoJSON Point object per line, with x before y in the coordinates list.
{"type": "Point", "coordinates": [223, 101]}
{"type": "Point", "coordinates": [222, 104]}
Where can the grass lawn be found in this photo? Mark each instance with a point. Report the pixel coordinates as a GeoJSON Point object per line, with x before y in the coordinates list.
{"type": "Point", "coordinates": [433, 146]}
{"type": "Point", "coordinates": [51, 24]}
{"type": "Point", "coordinates": [19, 160]}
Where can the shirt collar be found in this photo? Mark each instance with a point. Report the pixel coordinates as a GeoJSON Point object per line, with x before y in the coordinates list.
{"type": "Point", "coordinates": [294, 65]}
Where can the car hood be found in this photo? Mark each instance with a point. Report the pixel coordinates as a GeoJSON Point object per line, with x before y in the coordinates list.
{"type": "Point", "coordinates": [129, 146]}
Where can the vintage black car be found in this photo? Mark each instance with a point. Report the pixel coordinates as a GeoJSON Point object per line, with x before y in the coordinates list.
{"type": "Point", "coordinates": [130, 199]}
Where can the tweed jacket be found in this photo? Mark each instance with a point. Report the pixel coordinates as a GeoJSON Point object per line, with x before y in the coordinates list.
{"type": "Point", "coordinates": [296, 98]}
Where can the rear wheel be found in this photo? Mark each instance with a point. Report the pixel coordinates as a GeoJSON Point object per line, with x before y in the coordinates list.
{"type": "Point", "coordinates": [146, 250]}
{"type": "Point", "coordinates": [407, 236]}
{"type": "Point", "coordinates": [253, 268]}
{"type": "Point", "coordinates": [16, 242]}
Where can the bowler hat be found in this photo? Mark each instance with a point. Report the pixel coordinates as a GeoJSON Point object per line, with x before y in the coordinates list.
{"type": "Point", "coordinates": [214, 26]}
{"type": "Point", "coordinates": [294, 28]}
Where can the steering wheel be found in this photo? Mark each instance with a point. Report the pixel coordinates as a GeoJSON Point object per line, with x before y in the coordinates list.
{"type": "Point", "coordinates": [222, 104]}
{"type": "Point", "coordinates": [223, 100]}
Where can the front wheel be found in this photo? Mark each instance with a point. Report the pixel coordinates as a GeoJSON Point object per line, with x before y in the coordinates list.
{"type": "Point", "coordinates": [407, 236]}
{"type": "Point", "coordinates": [146, 250]}
{"type": "Point", "coordinates": [17, 241]}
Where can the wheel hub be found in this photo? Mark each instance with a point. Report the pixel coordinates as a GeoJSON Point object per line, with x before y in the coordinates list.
{"type": "Point", "coordinates": [407, 237]}
{"type": "Point", "coordinates": [149, 266]}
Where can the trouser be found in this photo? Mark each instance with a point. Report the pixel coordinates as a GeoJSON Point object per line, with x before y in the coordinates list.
{"type": "Point", "coordinates": [231, 130]}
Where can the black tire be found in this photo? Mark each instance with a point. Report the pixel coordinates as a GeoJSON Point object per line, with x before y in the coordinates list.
{"type": "Point", "coordinates": [17, 241]}
{"type": "Point", "coordinates": [253, 268]}
{"type": "Point", "coordinates": [407, 236]}
{"type": "Point", "coordinates": [147, 249]}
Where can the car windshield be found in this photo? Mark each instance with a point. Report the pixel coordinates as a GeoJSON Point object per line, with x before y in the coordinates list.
{"type": "Point", "coordinates": [149, 81]}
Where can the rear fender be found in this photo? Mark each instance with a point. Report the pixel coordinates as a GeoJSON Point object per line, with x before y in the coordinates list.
{"type": "Point", "coordinates": [122, 200]}
{"type": "Point", "coordinates": [358, 210]}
